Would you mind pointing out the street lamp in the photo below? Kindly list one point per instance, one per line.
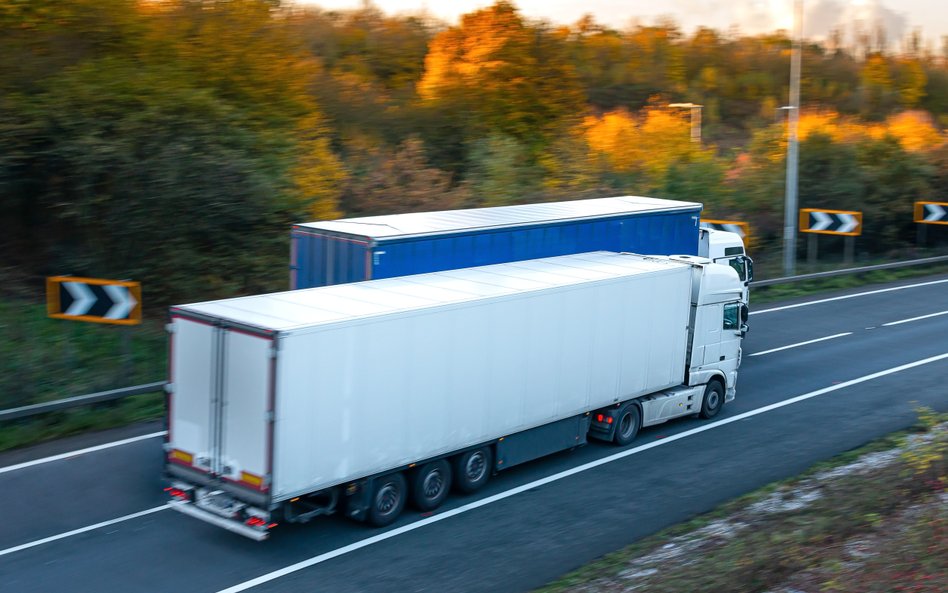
(790, 202)
(695, 118)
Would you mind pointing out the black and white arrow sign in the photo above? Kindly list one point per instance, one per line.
(931, 212)
(830, 222)
(93, 299)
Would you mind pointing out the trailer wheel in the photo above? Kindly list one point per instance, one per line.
(713, 399)
(388, 499)
(430, 484)
(628, 422)
(472, 469)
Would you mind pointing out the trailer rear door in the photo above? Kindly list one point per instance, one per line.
(220, 416)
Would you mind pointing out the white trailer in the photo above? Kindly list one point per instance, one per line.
(356, 398)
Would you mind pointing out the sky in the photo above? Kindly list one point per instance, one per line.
(898, 17)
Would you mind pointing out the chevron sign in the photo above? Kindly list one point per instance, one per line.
(92, 299)
(830, 222)
(931, 212)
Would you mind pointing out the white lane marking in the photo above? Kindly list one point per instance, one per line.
(848, 296)
(266, 578)
(915, 318)
(60, 536)
(801, 344)
(144, 437)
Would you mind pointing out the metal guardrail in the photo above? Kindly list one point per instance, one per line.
(79, 400)
(114, 394)
(847, 271)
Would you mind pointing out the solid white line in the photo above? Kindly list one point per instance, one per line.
(801, 344)
(915, 318)
(848, 296)
(53, 538)
(144, 437)
(266, 578)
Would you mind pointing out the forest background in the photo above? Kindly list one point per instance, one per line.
(174, 141)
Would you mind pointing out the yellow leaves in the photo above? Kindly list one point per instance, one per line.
(648, 143)
(317, 175)
(914, 130)
(487, 40)
(616, 136)
(875, 72)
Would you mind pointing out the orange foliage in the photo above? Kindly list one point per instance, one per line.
(914, 130)
(648, 143)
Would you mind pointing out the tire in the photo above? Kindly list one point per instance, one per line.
(628, 423)
(472, 470)
(713, 400)
(388, 499)
(430, 485)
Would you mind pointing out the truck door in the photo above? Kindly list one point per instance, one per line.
(220, 414)
(245, 413)
(193, 379)
(731, 337)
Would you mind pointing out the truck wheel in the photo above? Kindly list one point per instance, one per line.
(628, 422)
(430, 484)
(713, 400)
(472, 469)
(388, 499)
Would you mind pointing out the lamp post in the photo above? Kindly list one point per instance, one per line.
(790, 203)
(695, 118)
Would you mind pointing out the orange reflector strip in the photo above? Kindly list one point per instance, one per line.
(251, 479)
(182, 456)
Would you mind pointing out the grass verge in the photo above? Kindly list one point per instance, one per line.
(779, 292)
(29, 431)
(45, 359)
(875, 519)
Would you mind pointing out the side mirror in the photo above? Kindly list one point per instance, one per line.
(744, 329)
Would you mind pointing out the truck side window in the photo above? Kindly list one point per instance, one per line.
(738, 264)
(732, 316)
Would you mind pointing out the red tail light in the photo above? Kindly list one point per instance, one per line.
(177, 493)
(599, 418)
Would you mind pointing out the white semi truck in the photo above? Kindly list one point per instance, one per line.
(359, 398)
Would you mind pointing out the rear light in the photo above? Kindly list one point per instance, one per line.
(258, 522)
(608, 419)
(177, 493)
(599, 418)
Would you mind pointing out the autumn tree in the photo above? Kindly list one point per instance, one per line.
(497, 74)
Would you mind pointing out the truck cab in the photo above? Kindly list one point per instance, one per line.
(727, 248)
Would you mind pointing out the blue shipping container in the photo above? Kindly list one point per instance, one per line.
(354, 249)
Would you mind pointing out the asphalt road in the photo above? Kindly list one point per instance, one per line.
(564, 511)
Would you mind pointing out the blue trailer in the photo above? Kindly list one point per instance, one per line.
(368, 248)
